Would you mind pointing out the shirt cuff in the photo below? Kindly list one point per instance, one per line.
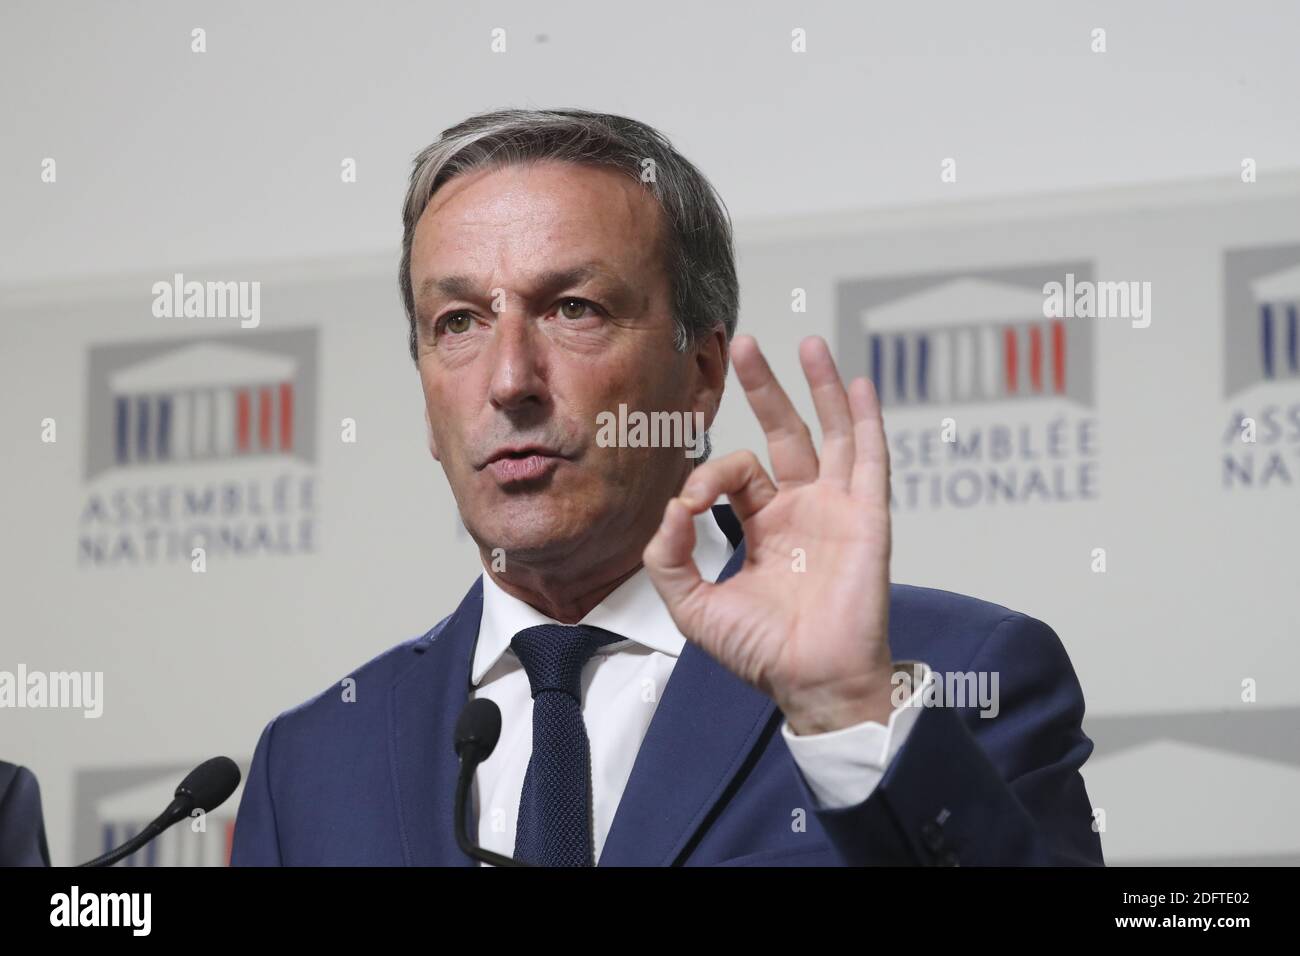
(842, 767)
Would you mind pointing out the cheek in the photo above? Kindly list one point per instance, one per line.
(640, 380)
(440, 425)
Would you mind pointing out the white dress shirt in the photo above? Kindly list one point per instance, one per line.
(621, 687)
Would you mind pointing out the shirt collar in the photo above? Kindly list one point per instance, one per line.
(634, 609)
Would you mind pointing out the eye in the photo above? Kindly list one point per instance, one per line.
(567, 308)
(457, 323)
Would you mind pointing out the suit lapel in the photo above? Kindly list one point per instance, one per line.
(426, 703)
(707, 723)
(704, 728)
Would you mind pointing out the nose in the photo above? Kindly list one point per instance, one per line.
(518, 364)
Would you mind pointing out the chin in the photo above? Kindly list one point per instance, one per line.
(532, 526)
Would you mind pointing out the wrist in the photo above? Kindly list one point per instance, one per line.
(826, 710)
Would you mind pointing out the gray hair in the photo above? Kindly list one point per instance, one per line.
(698, 248)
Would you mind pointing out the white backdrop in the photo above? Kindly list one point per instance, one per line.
(361, 547)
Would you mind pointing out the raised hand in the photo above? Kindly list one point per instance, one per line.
(806, 620)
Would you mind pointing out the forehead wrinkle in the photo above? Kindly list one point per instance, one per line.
(460, 286)
(622, 211)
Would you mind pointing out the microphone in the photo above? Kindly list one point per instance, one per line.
(206, 787)
(477, 731)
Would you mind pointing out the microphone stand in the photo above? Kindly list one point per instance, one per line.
(467, 764)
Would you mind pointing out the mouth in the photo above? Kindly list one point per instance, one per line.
(525, 463)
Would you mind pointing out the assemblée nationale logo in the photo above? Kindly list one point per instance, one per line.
(201, 442)
(1260, 435)
(988, 400)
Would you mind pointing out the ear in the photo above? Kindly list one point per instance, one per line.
(711, 356)
(428, 431)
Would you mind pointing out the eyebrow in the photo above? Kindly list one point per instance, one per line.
(464, 287)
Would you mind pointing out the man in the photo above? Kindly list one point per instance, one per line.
(680, 684)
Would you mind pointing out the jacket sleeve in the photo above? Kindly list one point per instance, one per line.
(257, 842)
(971, 790)
(22, 825)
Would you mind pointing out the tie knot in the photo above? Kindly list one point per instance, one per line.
(553, 655)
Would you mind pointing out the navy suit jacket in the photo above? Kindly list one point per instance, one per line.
(372, 781)
(22, 825)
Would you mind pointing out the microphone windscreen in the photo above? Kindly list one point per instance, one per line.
(479, 726)
(211, 783)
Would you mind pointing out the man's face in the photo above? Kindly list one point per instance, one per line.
(542, 301)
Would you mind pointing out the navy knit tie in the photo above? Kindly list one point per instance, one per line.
(554, 827)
